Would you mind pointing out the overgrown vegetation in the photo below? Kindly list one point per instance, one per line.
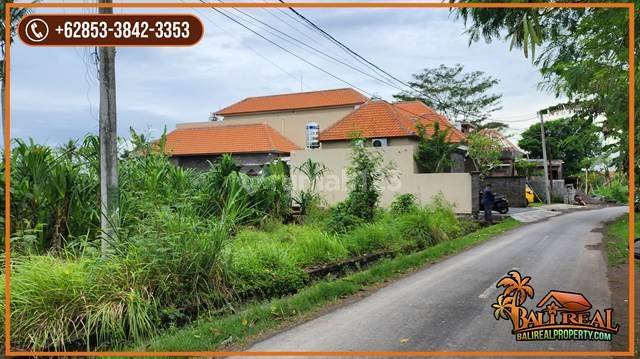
(614, 190)
(434, 150)
(366, 172)
(617, 240)
(215, 333)
(190, 244)
(485, 152)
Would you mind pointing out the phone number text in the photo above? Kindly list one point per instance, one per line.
(124, 29)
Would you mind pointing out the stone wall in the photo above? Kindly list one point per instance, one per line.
(511, 186)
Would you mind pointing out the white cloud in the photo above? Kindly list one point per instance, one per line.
(163, 86)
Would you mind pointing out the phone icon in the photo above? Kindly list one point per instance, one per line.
(36, 30)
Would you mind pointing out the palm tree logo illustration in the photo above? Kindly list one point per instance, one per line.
(516, 291)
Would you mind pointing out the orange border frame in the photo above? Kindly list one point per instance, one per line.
(631, 110)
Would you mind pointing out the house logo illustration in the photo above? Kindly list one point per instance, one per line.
(559, 315)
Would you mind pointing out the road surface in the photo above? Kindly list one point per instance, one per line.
(447, 306)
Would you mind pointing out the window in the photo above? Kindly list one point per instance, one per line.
(313, 132)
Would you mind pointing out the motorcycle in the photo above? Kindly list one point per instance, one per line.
(500, 204)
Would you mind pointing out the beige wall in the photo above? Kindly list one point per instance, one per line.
(391, 141)
(455, 187)
(291, 124)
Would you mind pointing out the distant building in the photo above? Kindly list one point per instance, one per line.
(257, 130)
(252, 145)
(510, 153)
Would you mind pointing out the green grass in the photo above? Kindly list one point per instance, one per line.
(234, 329)
(617, 233)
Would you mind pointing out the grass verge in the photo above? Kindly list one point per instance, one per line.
(616, 235)
(210, 334)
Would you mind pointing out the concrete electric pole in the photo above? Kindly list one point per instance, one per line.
(109, 194)
(546, 164)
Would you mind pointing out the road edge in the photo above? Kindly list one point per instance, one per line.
(259, 321)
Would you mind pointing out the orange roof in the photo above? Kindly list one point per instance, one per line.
(211, 140)
(572, 302)
(425, 112)
(296, 101)
(504, 142)
(378, 118)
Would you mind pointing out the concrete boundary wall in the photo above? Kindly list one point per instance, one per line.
(455, 187)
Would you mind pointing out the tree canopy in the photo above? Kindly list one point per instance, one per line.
(567, 139)
(581, 54)
(434, 152)
(459, 95)
(485, 152)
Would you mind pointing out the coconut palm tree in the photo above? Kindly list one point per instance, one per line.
(16, 15)
(502, 308)
(313, 171)
(516, 286)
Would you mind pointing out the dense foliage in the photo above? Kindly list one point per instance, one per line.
(485, 152)
(434, 150)
(189, 243)
(569, 140)
(583, 55)
(459, 95)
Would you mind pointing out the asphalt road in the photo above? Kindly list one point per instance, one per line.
(447, 306)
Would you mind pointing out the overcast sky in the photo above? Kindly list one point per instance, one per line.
(55, 90)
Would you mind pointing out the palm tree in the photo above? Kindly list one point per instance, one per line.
(16, 15)
(313, 171)
(502, 308)
(517, 286)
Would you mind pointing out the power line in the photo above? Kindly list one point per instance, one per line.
(285, 49)
(371, 64)
(297, 41)
(247, 46)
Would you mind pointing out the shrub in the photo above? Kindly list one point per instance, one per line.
(317, 248)
(366, 171)
(264, 269)
(181, 259)
(56, 302)
(373, 237)
(430, 225)
(404, 203)
(305, 245)
(616, 191)
(341, 220)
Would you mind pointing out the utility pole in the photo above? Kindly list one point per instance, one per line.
(109, 194)
(546, 164)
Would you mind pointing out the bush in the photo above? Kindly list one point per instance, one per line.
(404, 203)
(264, 269)
(305, 245)
(374, 237)
(616, 191)
(431, 225)
(181, 259)
(341, 220)
(58, 302)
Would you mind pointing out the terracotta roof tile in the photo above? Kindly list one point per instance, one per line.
(296, 101)
(378, 118)
(504, 141)
(211, 140)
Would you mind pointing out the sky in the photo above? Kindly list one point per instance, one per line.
(54, 90)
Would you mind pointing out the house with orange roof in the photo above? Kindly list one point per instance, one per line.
(257, 130)
(252, 145)
(382, 123)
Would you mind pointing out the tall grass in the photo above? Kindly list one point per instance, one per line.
(189, 242)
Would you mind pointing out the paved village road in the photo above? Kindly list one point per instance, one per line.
(447, 306)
